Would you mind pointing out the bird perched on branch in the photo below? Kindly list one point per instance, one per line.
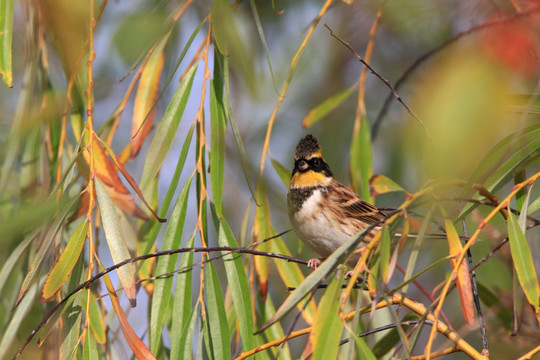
(325, 213)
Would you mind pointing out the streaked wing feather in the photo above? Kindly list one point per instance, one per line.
(357, 208)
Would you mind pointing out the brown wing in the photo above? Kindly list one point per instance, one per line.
(355, 207)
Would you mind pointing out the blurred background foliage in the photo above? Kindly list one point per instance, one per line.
(203, 103)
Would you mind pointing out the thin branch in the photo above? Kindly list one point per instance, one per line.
(145, 257)
(386, 82)
(427, 55)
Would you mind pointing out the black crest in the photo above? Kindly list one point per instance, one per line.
(307, 147)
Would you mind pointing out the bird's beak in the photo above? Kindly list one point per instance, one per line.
(302, 165)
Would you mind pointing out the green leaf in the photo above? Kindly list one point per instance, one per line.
(6, 34)
(535, 205)
(61, 270)
(218, 123)
(385, 254)
(497, 169)
(238, 286)
(13, 259)
(71, 329)
(152, 234)
(361, 163)
(185, 342)
(523, 262)
(96, 320)
(45, 243)
(381, 184)
(283, 172)
(166, 130)
(315, 278)
(166, 264)
(117, 242)
(182, 311)
(90, 351)
(216, 316)
(263, 40)
(327, 328)
(323, 109)
(11, 330)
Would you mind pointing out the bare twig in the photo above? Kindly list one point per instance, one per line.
(145, 257)
(427, 55)
(386, 82)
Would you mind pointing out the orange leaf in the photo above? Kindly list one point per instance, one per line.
(107, 173)
(135, 343)
(463, 280)
(147, 94)
(380, 184)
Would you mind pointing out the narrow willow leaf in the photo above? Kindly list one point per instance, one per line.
(13, 259)
(216, 316)
(531, 143)
(90, 351)
(186, 340)
(6, 34)
(182, 311)
(523, 263)
(413, 257)
(96, 320)
(218, 123)
(242, 151)
(117, 243)
(150, 239)
(238, 286)
(381, 184)
(463, 279)
(520, 176)
(385, 255)
(61, 270)
(146, 98)
(263, 41)
(283, 172)
(326, 331)
(135, 343)
(166, 130)
(364, 350)
(323, 109)
(163, 287)
(261, 230)
(361, 163)
(11, 330)
(523, 208)
(291, 275)
(517, 303)
(27, 218)
(274, 332)
(69, 342)
(107, 172)
(535, 205)
(315, 278)
(220, 19)
(45, 243)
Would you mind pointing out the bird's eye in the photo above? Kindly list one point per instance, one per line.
(317, 162)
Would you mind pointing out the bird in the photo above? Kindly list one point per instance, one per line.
(323, 212)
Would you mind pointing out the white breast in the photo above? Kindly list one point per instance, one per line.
(316, 228)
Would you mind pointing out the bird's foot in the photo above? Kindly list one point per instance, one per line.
(314, 263)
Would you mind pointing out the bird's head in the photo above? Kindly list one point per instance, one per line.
(310, 169)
